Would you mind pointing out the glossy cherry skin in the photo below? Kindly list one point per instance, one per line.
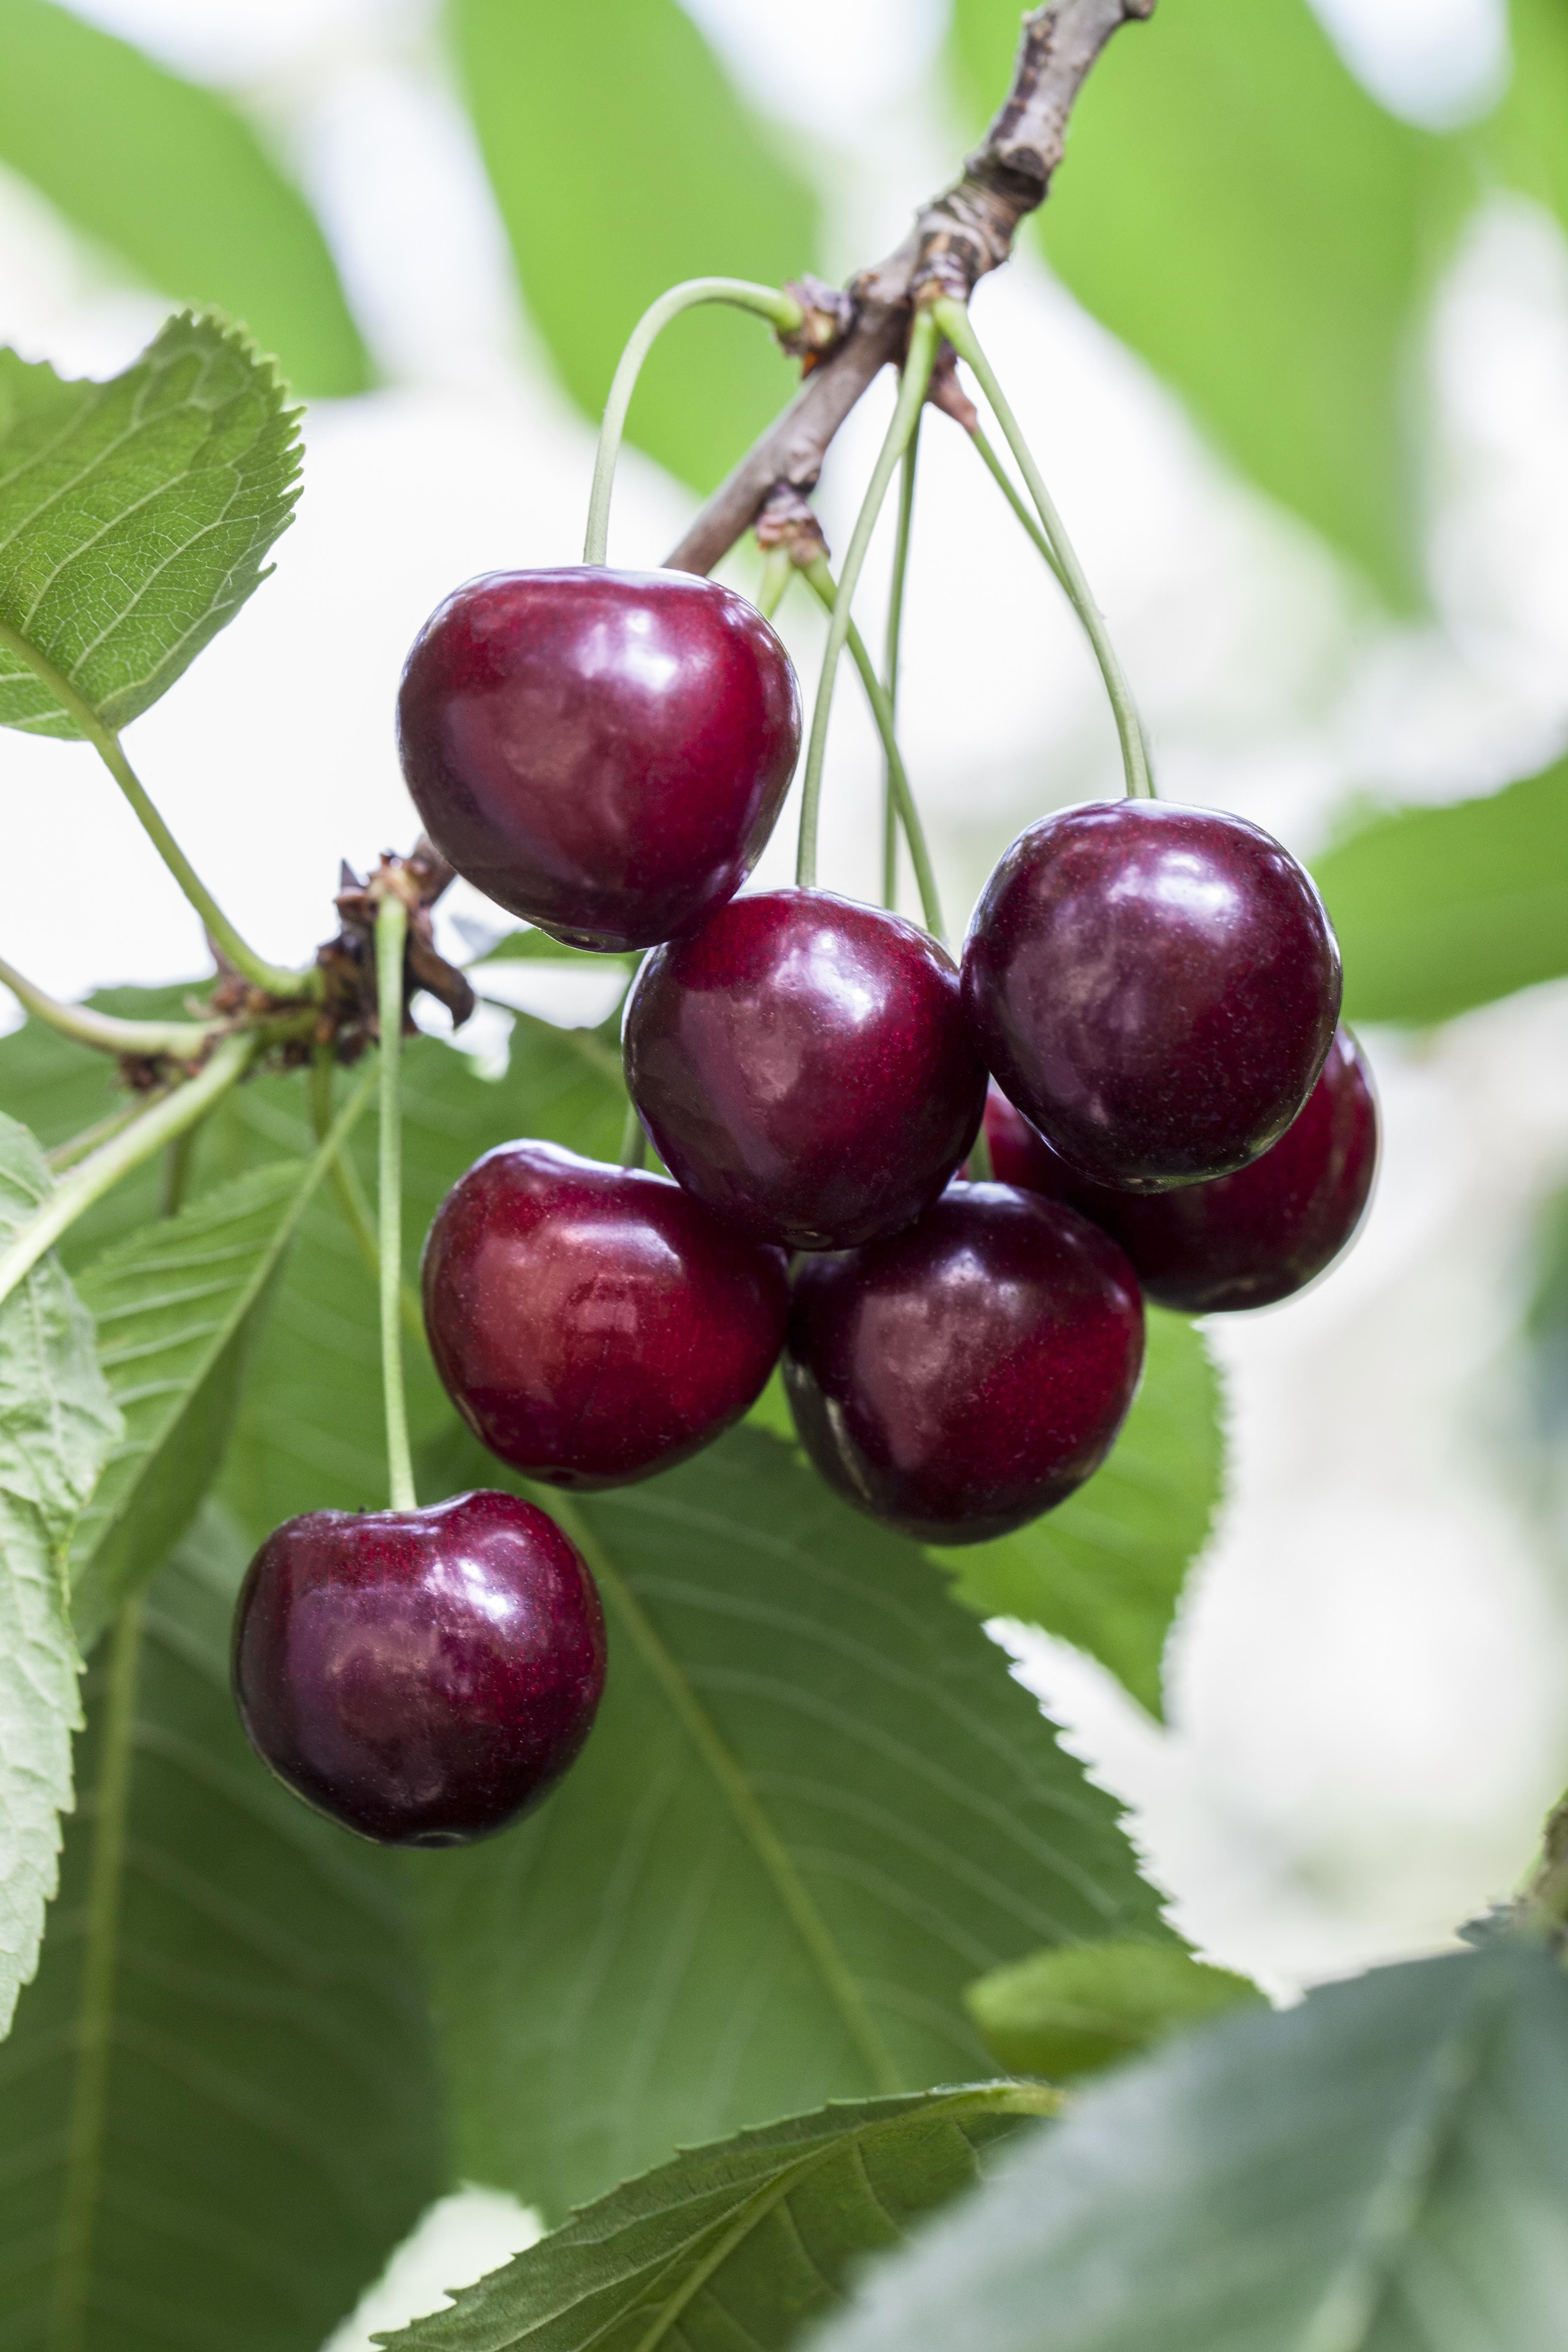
(1240, 1241)
(803, 1066)
(604, 752)
(424, 1677)
(1155, 988)
(961, 1379)
(593, 1324)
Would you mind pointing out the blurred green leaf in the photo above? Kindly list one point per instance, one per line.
(815, 1806)
(219, 2111)
(751, 2239)
(1089, 2006)
(1106, 1568)
(1525, 139)
(172, 179)
(1237, 208)
(135, 516)
(1439, 910)
(1382, 2169)
(623, 161)
(56, 1425)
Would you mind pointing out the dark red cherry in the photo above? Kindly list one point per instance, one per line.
(964, 1377)
(424, 1677)
(595, 1324)
(803, 1066)
(1155, 987)
(1239, 1241)
(604, 752)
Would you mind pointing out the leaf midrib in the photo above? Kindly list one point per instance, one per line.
(767, 1846)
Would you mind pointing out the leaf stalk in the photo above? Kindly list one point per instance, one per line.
(275, 978)
(103, 1169)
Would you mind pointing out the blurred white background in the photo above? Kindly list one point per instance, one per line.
(1369, 1708)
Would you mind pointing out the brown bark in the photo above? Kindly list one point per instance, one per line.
(955, 239)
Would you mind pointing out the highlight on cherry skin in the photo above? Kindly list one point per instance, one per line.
(593, 1324)
(961, 1378)
(1240, 1241)
(423, 1677)
(804, 1066)
(602, 752)
(1155, 987)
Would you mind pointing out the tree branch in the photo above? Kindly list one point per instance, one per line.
(955, 239)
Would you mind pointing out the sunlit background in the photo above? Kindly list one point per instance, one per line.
(1369, 1685)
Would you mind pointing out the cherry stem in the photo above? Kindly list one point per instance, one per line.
(778, 571)
(275, 978)
(180, 1040)
(770, 302)
(66, 1155)
(103, 1169)
(891, 662)
(1011, 492)
(923, 340)
(391, 938)
(900, 797)
(350, 1193)
(953, 320)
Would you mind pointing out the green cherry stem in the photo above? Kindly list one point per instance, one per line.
(391, 938)
(770, 302)
(274, 978)
(1011, 492)
(891, 660)
(953, 320)
(103, 1169)
(900, 797)
(180, 1040)
(778, 570)
(923, 341)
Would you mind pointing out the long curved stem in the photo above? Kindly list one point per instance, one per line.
(103, 1170)
(275, 979)
(923, 339)
(954, 320)
(1010, 492)
(890, 660)
(900, 797)
(769, 303)
(391, 937)
(180, 1040)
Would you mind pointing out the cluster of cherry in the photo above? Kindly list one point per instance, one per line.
(1144, 1026)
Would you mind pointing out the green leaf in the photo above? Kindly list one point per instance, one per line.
(135, 516)
(749, 2240)
(1384, 2170)
(622, 161)
(815, 1806)
(174, 181)
(179, 1307)
(1237, 208)
(1439, 910)
(1092, 2005)
(56, 1425)
(1105, 1570)
(1524, 137)
(219, 2110)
